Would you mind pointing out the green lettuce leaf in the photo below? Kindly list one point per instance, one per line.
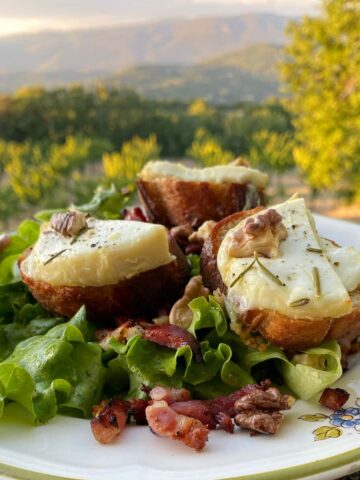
(312, 371)
(28, 321)
(57, 371)
(228, 363)
(25, 236)
(141, 362)
(194, 262)
(106, 203)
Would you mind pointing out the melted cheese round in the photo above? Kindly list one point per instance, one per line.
(218, 174)
(109, 251)
(294, 266)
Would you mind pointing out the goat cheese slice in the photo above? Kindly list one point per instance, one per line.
(294, 267)
(107, 252)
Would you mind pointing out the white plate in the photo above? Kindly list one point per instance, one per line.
(65, 447)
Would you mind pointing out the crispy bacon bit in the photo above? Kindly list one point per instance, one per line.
(261, 234)
(181, 314)
(169, 395)
(165, 422)
(109, 419)
(134, 213)
(172, 336)
(137, 410)
(271, 399)
(5, 240)
(334, 398)
(122, 333)
(181, 234)
(68, 224)
(199, 409)
(224, 422)
(258, 421)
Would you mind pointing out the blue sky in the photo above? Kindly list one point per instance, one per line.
(33, 15)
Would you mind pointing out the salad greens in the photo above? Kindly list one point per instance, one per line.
(26, 234)
(50, 365)
(57, 371)
(228, 363)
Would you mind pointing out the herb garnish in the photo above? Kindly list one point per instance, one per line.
(315, 250)
(267, 272)
(273, 277)
(300, 302)
(243, 273)
(316, 280)
(54, 256)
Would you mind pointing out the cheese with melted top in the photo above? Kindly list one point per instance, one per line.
(294, 266)
(107, 252)
(218, 174)
(345, 261)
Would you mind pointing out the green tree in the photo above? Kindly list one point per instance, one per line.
(272, 151)
(322, 72)
(206, 149)
(124, 165)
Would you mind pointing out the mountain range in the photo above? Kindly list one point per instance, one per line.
(221, 59)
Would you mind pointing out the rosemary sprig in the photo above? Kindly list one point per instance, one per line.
(50, 259)
(300, 302)
(315, 250)
(267, 272)
(316, 280)
(243, 273)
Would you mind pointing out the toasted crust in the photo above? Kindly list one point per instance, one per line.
(172, 202)
(289, 333)
(143, 294)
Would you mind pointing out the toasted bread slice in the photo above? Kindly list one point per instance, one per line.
(172, 202)
(143, 294)
(289, 333)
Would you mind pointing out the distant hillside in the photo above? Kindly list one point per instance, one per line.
(112, 49)
(247, 74)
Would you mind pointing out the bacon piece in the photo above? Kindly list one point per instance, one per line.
(134, 213)
(271, 399)
(334, 398)
(109, 419)
(172, 336)
(199, 409)
(181, 234)
(224, 422)
(169, 395)
(165, 422)
(137, 410)
(257, 421)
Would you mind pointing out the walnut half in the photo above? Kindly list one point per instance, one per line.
(261, 234)
(68, 223)
(181, 314)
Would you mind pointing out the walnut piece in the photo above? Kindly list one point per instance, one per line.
(270, 399)
(68, 223)
(203, 232)
(181, 314)
(262, 422)
(261, 234)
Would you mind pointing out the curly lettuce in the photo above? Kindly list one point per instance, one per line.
(228, 363)
(59, 371)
